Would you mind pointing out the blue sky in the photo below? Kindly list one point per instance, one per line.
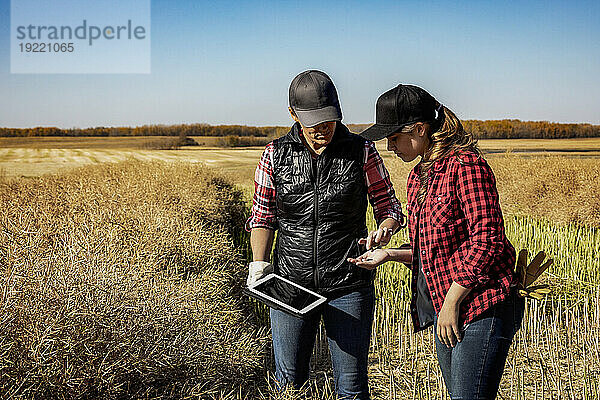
(230, 62)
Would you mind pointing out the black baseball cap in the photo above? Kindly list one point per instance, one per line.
(314, 99)
(399, 107)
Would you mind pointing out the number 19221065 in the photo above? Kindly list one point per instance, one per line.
(46, 47)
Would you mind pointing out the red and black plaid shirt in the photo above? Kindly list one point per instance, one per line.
(379, 189)
(460, 234)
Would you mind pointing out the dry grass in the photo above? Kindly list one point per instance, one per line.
(558, 188)
(555, 355)
(119, 273)
(35, 162)
(583, 145)
(243, 141)
(561, 189)
(126, 142)
(83, 142)
(122, 281)
(166, 143)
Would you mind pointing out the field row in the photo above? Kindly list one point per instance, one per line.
(562, 189)
(39, 161)
(560, 145)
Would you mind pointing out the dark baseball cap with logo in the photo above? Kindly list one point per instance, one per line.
(314, 99)
(399, 107)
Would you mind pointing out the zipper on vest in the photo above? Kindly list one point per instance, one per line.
(315, 164)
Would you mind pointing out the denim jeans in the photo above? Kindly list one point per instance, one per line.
(473, 368)
(347, 320)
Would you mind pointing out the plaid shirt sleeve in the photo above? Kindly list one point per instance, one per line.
(379, 187)
(263, 214)
(478, 197)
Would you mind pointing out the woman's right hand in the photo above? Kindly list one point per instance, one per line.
(371, 259)
(379, 237)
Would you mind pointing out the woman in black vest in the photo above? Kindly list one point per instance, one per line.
(312, 185)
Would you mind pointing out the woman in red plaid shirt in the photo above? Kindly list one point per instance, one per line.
(462, 263)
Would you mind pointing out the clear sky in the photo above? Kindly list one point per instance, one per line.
(231, 62)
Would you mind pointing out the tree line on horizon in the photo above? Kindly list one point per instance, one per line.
(517, 129)
(491, 129)
(182, 130)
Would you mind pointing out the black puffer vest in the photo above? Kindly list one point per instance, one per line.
(321, 205)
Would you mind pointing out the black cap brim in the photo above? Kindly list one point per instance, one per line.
(310, 118)
(379, 131)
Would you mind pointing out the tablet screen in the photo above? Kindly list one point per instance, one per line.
(286, 293)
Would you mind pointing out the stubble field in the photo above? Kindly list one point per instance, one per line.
(40, 155)
(153, 243)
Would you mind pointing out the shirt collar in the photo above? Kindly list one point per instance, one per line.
(438, 166)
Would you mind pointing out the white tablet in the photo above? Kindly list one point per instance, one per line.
(285, 295)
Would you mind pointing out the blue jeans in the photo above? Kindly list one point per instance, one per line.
(473, 368)
(347, 321)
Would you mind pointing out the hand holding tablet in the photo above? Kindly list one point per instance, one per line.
(285, 295)
(257, 270)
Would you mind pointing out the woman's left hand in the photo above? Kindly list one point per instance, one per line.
(447, 328)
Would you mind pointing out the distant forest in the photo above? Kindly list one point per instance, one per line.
(516, 129)
(150, 130)
(500, 129)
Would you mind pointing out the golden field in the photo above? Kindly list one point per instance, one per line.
(121, 279)
(539, 180)
(38, 155)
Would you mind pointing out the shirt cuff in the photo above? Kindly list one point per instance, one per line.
(463, 277)
(252, 223)
(398, 216)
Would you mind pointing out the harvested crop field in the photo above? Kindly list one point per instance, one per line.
(122, 279)
(35, 162)
(39, 155)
